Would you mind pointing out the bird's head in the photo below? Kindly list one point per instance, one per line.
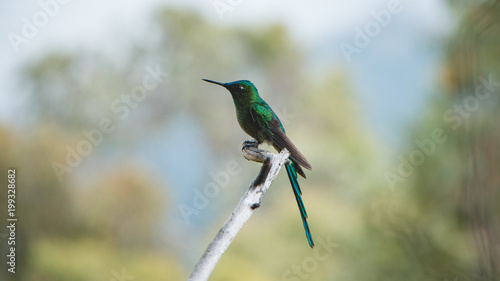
(238, 89)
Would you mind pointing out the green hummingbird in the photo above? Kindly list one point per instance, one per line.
(259, 121)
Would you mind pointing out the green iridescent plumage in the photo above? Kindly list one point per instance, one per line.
(259, 121)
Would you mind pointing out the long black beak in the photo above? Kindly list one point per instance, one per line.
(215, 82)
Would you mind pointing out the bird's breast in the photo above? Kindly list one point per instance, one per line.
(249, 125)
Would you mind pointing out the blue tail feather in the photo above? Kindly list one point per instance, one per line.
(292, 175)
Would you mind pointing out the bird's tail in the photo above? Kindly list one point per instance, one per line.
(292, 175)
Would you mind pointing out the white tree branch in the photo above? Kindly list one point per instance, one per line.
(250, 201)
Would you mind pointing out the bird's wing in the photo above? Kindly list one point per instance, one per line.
(273, 128)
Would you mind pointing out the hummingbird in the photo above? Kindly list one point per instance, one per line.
(260, 122)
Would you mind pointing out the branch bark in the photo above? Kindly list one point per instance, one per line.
(250, 201)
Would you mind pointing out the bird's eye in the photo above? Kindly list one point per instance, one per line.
(241, 87)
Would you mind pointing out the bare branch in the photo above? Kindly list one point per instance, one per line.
(250, 201)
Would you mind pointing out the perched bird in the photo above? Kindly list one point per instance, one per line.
(259, 121)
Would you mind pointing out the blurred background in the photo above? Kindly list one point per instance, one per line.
(127, 164)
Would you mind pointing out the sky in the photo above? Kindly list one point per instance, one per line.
(392, 76)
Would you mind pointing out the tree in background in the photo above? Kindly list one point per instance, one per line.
(451, 226)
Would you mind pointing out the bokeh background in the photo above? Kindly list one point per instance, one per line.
(387, 100)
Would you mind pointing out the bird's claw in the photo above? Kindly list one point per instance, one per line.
(250, 143)
(252, 152)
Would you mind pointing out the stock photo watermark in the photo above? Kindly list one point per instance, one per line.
(455, 117)
(364, 35)
(123, 276)
(31, 26)
(11, 220)
(221, 7)
(461, 111)
(302, 271)
(201, 198)
(284, 116)
(121, 107)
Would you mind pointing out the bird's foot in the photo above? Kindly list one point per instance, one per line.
(251, 151)
(252, 143)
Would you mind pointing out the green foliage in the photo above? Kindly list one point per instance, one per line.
(132, 204)
(94, 259)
